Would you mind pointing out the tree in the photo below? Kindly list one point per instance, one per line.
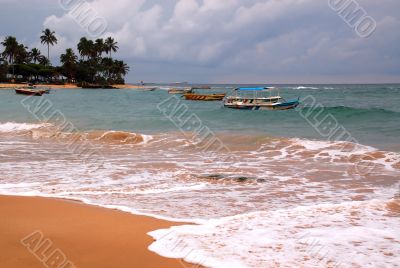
(35, 55)
(110, 45)
(68, 61)
(48, 38)
(10, 48)
(44, 61)
(84, 47)
(99, 47)
(21, 54)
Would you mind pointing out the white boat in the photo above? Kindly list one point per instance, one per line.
(258, 101)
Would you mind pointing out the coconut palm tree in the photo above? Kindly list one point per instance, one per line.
(10, 48)
(99, 47)
(35, 55)
(21, 54)
(43, 60)
(110, 45)
(69, 60)
(48, 38)
(84, 47)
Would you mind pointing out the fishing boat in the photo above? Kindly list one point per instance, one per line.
(29, 92)
(180, 90)
(259, 101)
(146, 88)
(204, 97)
(32, 90)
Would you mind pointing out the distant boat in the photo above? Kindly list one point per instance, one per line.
(30, 92)
(146, 88)
(204, 97)
(201, 87)
(180, 90)
(256, 102)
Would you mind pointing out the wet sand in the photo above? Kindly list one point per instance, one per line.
(78, 235)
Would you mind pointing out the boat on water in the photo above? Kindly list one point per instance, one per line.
(259, 101)
(180, 90)
(204, 97)
(29, 92)
(32, 90)
(201, 87)
(144, 88)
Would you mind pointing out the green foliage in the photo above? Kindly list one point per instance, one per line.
(91, 69)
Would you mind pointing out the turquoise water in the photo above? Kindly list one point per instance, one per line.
(370, 113)
(276, 190)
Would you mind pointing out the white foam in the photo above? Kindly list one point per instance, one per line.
(18, 127)
(351, 234)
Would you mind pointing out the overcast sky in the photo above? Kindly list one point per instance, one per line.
(224, 41)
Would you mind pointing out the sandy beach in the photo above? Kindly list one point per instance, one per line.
(37, 232)
(66, 86)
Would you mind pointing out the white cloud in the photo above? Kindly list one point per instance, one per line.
(265, 36)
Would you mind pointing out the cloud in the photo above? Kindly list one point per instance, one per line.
(242, 38)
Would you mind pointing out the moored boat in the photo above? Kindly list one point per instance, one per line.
(29, 92)
(144, 88)
(34, 88)
(180, 90)
(204, 97)
(256, 102)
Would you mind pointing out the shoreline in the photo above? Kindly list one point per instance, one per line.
(66, 86)
(86, 235)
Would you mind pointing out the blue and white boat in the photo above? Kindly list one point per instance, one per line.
(259, 101)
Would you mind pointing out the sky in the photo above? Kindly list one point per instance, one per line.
(224, 41)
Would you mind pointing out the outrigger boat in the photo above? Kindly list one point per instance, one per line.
(29, 92)
(204, 97)
(180, 90)
(32, 90)
(272, 102)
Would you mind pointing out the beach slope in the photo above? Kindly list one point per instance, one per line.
(36, 231)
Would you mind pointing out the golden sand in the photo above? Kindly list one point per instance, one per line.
(36, 232)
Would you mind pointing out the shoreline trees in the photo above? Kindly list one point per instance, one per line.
(92, 65)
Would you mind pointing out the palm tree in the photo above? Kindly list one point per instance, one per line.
(99, 47)
(119, 69)
(35, 55)
(110, 45)
(43, 60)
(68, 61)
(21, 54)
(10, 49)
(48, 38)
(83, 47)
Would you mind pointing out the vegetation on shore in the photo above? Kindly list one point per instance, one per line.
(92, 67)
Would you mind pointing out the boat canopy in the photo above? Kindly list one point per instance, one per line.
(253, 88)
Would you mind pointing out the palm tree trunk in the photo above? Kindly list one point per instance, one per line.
(48, 52)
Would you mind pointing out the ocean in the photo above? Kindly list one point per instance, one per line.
(317, 186)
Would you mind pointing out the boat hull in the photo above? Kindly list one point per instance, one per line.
(206, 97)
(29, 92)
(179, 91)
(255, 107)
